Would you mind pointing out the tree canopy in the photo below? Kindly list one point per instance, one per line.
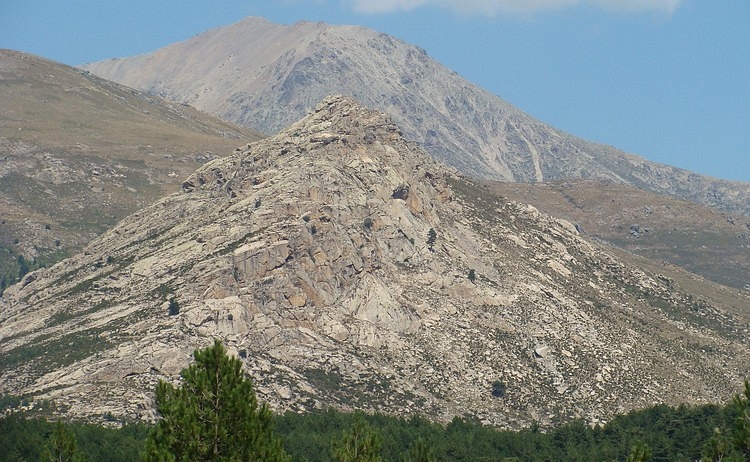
(62, 446)
(358, 444)
(213, 415)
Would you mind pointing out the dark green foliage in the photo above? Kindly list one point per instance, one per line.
(174, 306)
(669, 433)
(640, 453)
(8, 402)
(213, 416)
(420, 452)
(23, 267)
(498, 389)
(720, 448)
(22, 439)
(672, 434)
(13, 266)
(742, 425)
(732, 442)
(62, 446)
(308, 437)
(27, 439)
(472, 276)
(360, 443)
(431, 238)
(100, 443)
(367, 223)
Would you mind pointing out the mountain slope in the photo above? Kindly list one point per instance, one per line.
(265, 76)
(78, 153)
(308, 254)
(703, 240)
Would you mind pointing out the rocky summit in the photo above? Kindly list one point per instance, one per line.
(348, 269)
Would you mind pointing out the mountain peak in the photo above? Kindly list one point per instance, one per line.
(267, 76)
(346, 268)
(349, 132)
(344, 115)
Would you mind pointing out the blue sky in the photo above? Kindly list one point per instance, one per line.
(665, 79)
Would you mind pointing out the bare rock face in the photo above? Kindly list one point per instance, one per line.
(266, 76)
(307, 254)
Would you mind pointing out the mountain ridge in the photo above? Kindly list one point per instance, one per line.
(308, 253)
(263, 75)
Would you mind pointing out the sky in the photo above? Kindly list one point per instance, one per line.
(665, 79)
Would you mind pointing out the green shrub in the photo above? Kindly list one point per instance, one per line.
(174, 306)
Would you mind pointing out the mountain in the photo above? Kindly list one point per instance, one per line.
(265, 76)
(78, 153)
(346, 268)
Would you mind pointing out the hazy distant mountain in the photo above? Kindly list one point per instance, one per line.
(265, 76)
(308, 254)
(78, 153)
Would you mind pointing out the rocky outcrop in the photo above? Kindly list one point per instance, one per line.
(307, 254)
(266, 76)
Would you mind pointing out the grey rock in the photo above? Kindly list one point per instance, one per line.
(325, 311)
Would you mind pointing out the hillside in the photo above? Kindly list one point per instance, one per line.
(266, 76)
(78, 153)
(701, 239)
(309, 254)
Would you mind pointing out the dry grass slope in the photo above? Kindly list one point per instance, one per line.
(703, 240)
(78, 153)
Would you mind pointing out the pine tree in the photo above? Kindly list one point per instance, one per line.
(720, 448)
(213, 416)
(431, 238)
(640, 453)
(420, 452)
(359, 444)
(742, 426)
(63, 446)
(728, 446)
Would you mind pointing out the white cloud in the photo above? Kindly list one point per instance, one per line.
(499, 7)
(387, 6)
